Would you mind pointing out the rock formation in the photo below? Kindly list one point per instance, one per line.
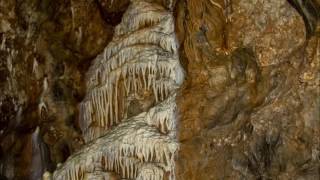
(94, 89)
(141, 59)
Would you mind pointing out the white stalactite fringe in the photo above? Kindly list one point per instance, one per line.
(160, 116)
(133, 138)
(148, 52)
(143, 56)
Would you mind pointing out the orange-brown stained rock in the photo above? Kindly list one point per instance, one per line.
(272, 27)
(243, 108)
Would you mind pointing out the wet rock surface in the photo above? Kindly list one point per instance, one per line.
(248, 109)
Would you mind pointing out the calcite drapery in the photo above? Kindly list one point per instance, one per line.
(141, 58)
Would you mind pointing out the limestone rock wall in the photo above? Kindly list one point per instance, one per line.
(248, 108)
(45, 48)
(246, 111)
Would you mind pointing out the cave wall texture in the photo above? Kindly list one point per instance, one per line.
(248, 107)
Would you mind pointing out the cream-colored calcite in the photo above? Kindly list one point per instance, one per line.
(142, 57)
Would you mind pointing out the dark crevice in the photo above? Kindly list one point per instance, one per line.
(114, 17)
(310, 12)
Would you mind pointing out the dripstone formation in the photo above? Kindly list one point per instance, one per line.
(128, 116)
(160, 89)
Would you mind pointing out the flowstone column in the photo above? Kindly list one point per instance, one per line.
(128, 116)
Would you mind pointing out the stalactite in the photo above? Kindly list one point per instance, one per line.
(3, 43)
(142, 56)
(40, 156)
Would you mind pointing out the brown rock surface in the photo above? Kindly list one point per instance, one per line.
(245, 112)
(45, 48)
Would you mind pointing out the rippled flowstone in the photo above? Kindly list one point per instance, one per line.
(141, 59)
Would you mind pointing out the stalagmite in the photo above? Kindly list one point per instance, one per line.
(142, 57)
